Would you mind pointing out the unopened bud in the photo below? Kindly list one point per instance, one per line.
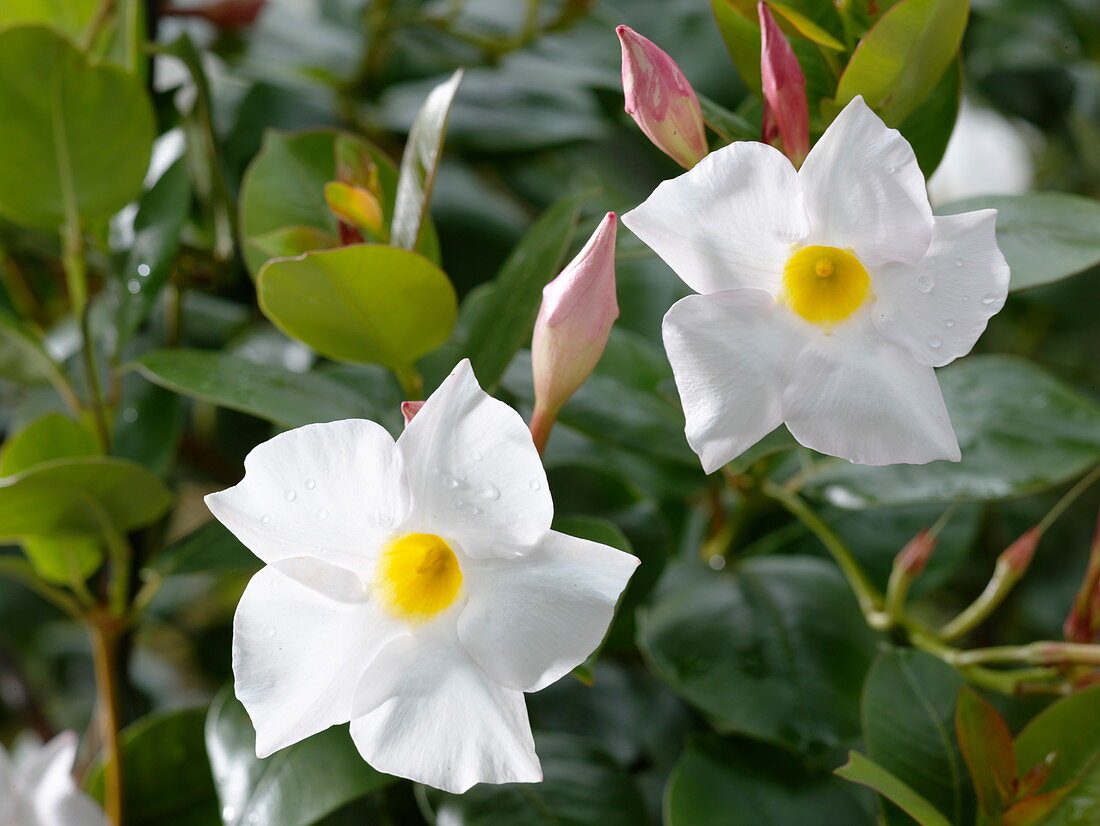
(661, 100)
(1036, 777)
(786, 112)
(1083, 621)
(225, 14)
(574, 322)
(355, 206)
(410, 409)
(915, 555)
(1017, 556)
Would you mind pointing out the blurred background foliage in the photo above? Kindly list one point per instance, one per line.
(739, 668)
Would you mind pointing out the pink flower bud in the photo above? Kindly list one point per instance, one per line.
(1017, 556)
(225, 14)
(410, 409)
(574, 321)
(915, 555)
(661, 100)
(786, 113)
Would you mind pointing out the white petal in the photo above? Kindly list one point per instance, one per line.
(531, 620)
(865, 191)
(937, 308)
(333, 491)
(473, 470)
(729, 222)
(301, 641)
(55, 799)
(854, 395)
(731, 353)
(426, 711)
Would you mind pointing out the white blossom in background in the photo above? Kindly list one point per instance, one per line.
(37, 788)
(827, 295)
(412, 587)
(987, 155)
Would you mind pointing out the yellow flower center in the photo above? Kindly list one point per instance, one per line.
(825, 285)
(417, 576)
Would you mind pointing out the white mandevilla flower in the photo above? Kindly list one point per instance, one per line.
(37, 788)
(827, 295)
(412, 587)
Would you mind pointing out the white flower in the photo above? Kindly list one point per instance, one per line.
(414, 588)
(828, 294)
(37, 788)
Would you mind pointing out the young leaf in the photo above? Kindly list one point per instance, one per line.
(1036, 810)
(76, 135)
(805, 26)
(419, 164)
(986, 745)
(900, 60)
(54, 436)
(1045, 236)
(863, 770)
(506, 316)
(361, 303)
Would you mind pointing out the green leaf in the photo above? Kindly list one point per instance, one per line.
(1021, 431)
(729, 125)
(1070, 727)
(741, 34)
(908, 712)
(54, 436)
(900, 60)
(290, 242)
(362, 303)
(420, 162)
(506, 316)
(210, 547)
(929, 128)
(263, 390)
(986, 745)
(69, 17)
(805, 26)
(76, 136)
(284, 187)
(23, 359)
(749, 649)
(166, 775)
(296, 786)
(860, 769)
(1045, 236)
(157, 226)
(582, 786)
(63, 558)
(67, 496)
(722, 782)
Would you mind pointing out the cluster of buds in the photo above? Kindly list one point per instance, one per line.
(666, 108)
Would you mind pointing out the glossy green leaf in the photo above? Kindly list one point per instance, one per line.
(1045, 236)
(363, 303)
(296, 786)
(76, 136)
(900, 60)
(419, 164)
(150, 424)
(986, 745)
(721, 782)
(70, 17)
(805, 26)
(263, 390)
(210, 547)
(729, 125)
(290, 242)
(582, 786)
(749, 649)
(506, 316)
(23, 359)
(157, 226)
(54, 436)
(1070, 727)
(62, 558)
(741, 34)
(284, 187)
(929, 128)
(1020, 430)
(860, 769)
(917, 746)
(166, 775)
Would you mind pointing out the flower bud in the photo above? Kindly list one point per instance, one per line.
(916, 553)
(786, 113)
(1017, 556)
(410, 409)
(225, 14)
(574, 321)
(661, 100)
(1083, 621)
(355, 206)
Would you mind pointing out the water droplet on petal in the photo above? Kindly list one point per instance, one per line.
(935, 342)
(491, 492)
(290, 495)
(322, 514)
(228, 813)
(949, 322)
(989, 298)
(266, 519)
(310, 484)
(924, 283)
(966, 298)
(134, 286)
(534, 484)
(270, 632)
(959, 262)
(478, 457)
(450, 482)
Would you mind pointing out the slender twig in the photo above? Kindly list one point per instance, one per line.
(1068, 499)
(104, 633)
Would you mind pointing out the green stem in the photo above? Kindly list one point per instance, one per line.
(412, 383)
(104, 633)
(869, 600)
(102, 15)
(1068, 499)
(21, 571)
(1005, 576)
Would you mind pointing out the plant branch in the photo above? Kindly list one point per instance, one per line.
(104, 632)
